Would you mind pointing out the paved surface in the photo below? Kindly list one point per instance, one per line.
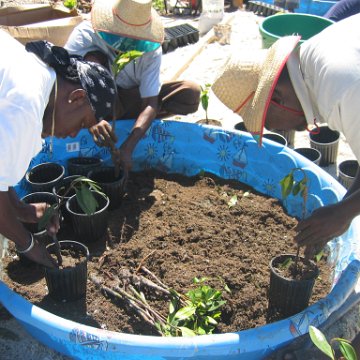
(199, 62)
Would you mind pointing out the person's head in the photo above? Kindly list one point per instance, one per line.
(85, 92)
(127, 24)
(256, 85)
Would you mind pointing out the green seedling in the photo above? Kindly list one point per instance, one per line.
(84, 189)
(291, 186)
(204, 98)
(319, 340)
(196, 313)
(70, 4)
(125, 58)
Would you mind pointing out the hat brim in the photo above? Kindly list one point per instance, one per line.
(104, 19)
(275, 60)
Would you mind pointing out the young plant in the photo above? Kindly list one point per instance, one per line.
(291, 186)
(196, 313)
(123, 59)
(204, 98)
(70, 4)
(84, 189)
(319, 340)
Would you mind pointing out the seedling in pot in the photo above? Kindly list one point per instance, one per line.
(124, 58)
(319, 340)
(84, 189)
(291, 186)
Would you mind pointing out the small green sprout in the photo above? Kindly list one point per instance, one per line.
(70, 4)
(204, 98)
(125, 58)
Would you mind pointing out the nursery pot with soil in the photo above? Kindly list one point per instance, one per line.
(312, 154)
(89, 228)
(276, 138)
(347, 172)
(112, 184)
(60, 190)
(291, 284)
(327, 142)
(68, 282)
(82, 165)
(45, 176)
(289, 135)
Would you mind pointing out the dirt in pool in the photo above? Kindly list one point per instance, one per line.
(177, 228)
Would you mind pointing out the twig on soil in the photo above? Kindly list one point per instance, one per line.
(148, 272)
(143, 260)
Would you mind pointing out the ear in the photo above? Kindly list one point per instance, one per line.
(77, 96)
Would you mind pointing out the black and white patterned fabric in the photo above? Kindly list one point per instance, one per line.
(94, 78)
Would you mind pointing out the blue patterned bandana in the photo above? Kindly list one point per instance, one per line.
(97, 82)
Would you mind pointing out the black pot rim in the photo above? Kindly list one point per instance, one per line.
(313, 264)
(60, 185)
(345, 165)
(81, 214)
(83, 246)
(104, 169)
(302, 150)
(27, 175)
(276, 135)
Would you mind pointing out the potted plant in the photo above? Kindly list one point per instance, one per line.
(204, 98)
(86, 197)
(68, 281)
(292, 277)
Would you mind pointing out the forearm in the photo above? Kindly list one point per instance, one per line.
(24, 212)
(10, 226)
(142, 124)
(349, 206)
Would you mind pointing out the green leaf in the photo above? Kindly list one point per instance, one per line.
(185, 312)
(347, 350)
(233, 201)
(186, 331)
(319, 340)
(286, 185)
(211, 320)
(296, 189)
(45, 219)
(124, 58)
(86, 200)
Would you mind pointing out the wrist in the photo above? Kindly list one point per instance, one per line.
(28, 247)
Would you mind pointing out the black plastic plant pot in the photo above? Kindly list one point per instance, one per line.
(287, 296)
(33, 198)
(68, 282)
(40, 234)
(60, 190)
(111, 185)
(276, 138)
(347, 172)
(89, 228)
(311, 154)
(45, 176)
(82, 165)
(327, 142)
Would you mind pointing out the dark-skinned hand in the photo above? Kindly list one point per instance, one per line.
(103, 134)
(323, 225)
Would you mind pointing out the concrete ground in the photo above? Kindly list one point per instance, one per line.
(199, 62)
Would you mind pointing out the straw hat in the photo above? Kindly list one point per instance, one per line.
(247, 83)
(129, 18)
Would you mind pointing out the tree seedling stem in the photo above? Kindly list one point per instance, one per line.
(291, 186)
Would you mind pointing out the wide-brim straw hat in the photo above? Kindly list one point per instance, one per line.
(248, 81)
(129, 18)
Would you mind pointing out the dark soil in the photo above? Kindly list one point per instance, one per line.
(178, 228)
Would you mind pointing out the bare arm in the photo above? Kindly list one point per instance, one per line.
(139, 129)
(330, 221)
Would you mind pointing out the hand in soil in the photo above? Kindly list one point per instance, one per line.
(40, 255)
